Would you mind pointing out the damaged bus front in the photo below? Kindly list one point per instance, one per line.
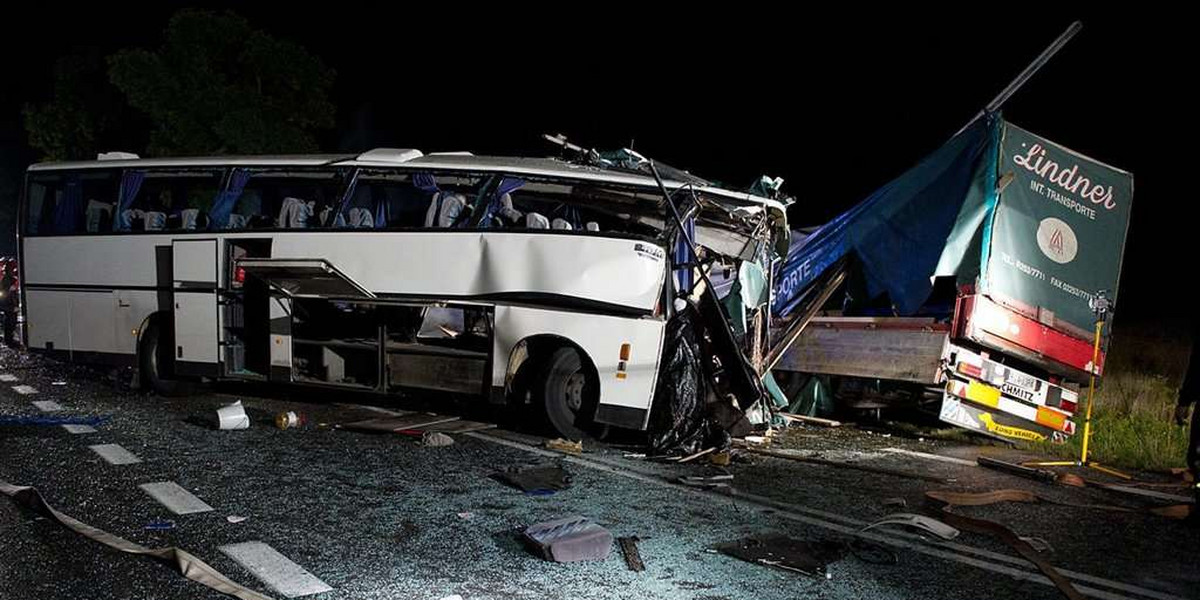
(541, 283)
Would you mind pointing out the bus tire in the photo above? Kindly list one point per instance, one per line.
(155, 362)
(567, 393)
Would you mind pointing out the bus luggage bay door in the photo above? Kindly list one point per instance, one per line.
(194, 268)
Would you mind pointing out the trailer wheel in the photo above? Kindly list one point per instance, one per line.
(156, 363)
(567, 393)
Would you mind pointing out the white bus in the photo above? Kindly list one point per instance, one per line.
(524, 280)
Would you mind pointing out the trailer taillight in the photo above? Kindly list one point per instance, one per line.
(239, 275)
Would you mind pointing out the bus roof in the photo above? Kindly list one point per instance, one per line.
(413, 160)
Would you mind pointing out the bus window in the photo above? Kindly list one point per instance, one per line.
(286, 200)
(71, 203)
(171, 201)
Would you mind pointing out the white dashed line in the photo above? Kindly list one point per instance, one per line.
(8, 377)
(938, 457)
(24, 389)
(77, 429)
(175, 498)
(115, 455)
(47, 405)
(274, 569)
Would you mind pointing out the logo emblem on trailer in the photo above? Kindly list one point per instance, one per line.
(653, 252)
(1057, 240)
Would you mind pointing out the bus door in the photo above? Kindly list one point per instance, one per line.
(194, 279)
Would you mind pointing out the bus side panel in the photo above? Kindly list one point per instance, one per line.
(46, 319)
(625, 394)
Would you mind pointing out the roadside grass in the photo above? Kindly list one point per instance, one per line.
(1132, 425)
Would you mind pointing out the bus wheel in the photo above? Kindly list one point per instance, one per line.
(567, 394)
(156, 362)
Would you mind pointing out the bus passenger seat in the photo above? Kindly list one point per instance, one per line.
(361, 218)
(129, 217)
(560, 223)
(236, 222)
(536, 221)
(508, 215)
(187, 218)
(294, 213)
(592, 226)
(98, 213)
(444, 209)
(155, 220)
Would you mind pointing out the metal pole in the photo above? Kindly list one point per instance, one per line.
(1087, 420)
(1027, 74)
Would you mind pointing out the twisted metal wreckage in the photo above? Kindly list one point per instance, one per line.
(972, 280)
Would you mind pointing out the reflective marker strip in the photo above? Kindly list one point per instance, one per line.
(175, 498)
(24, 389)
(77, 429)
(274, 569)
(47, 405)
(115, 455)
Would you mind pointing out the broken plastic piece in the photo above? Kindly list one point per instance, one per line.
(570, 539)
(567, 446)
(232, 416)
(921, 522)
(436, 439)
(798, 556)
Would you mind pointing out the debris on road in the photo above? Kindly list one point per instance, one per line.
(629, 549)
(1042, 475)
(184, 562)
(160, 525)
(692, 457)
(536, 478)
(400, 423)
(721, 459)
(289, 420)
(232, 416)
(798, 556)
(236, 519)
(709, 482)
(567, 446)
(434, 439)
(569, 539)
(793, 418)
(898, 502)
(927, 524)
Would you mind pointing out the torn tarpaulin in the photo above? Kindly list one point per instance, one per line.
(681, 421)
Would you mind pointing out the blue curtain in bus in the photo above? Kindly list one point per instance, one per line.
(339, 217)
(507, 185)
(223, 203)
(68, 213)
(380, 199)
(684, 276)
(131, 182)
(425, 182)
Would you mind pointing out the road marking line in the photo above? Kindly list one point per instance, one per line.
(175, 498)
(952, 551)
(77, 429)
(24, 389)
(938, 457)
(47, 405)
(8, 377)
(274, 569)
(115, 455)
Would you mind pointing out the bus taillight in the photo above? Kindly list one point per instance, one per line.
(239, 275)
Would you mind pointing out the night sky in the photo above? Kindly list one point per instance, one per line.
(834, 105)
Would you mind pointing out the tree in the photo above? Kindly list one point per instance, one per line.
(84, 115)
(219, 86)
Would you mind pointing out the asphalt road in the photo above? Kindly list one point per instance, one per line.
(379, 516)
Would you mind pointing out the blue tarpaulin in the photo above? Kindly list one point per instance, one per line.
(899, 233)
